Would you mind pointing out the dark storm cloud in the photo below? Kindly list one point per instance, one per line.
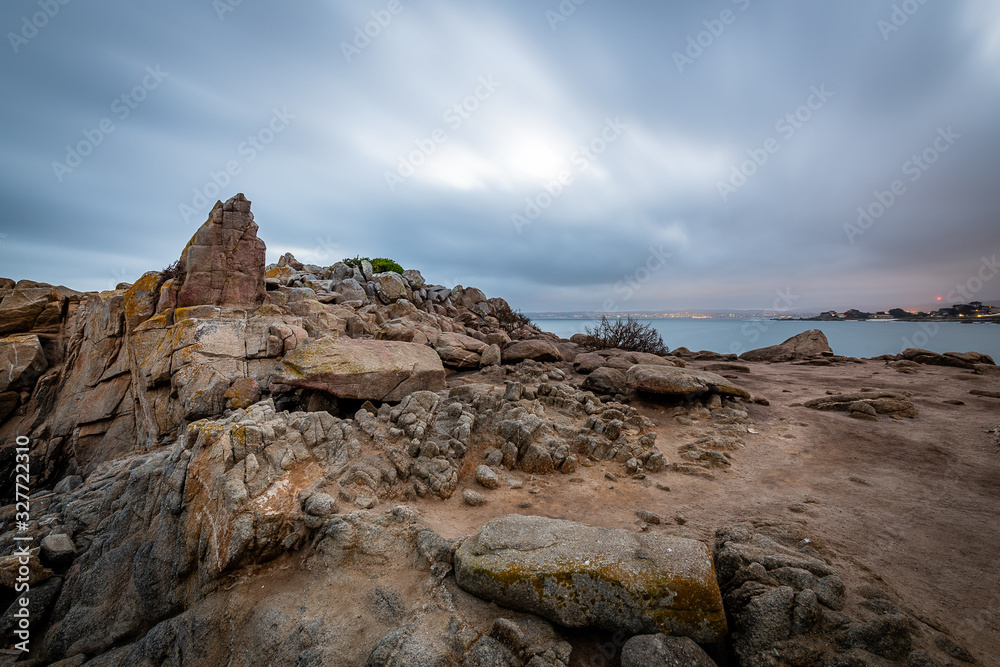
(360, 149)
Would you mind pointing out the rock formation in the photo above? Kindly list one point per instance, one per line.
(806, 345)
(227, 460)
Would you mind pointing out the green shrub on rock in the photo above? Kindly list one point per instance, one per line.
(379, 264)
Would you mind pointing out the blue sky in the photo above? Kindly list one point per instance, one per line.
(638, 155)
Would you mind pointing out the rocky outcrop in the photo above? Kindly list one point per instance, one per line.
(788, 605)
(867, 404)
(223, 263)
(579, 576)
(953, 359)
(669, 381)
(360, 369)
(806, 345)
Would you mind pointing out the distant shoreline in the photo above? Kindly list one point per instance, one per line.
(992, 319)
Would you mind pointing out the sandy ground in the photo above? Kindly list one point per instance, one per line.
(908, 504)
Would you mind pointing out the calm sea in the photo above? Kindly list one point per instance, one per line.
(852, 339)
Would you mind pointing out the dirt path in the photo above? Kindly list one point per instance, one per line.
(910, 504)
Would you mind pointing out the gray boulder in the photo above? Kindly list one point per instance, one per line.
(656, 379)
(663, 651)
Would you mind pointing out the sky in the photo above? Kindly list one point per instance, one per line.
(567, 156)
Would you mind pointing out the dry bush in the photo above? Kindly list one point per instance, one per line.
(628, 334)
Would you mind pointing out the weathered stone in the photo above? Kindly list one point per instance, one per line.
(680, 381)
(806, 345)
(10, 573)
(351, 290)
(662, 651)
(22, 361)
(459, 351)
(22, 306)
(537, 350)
(389, 286)
(243, 393)
(579, 575)
(223, 263)
(606, 380)
(486, 477)
(362, 369)
(58, 550)
(491, 356)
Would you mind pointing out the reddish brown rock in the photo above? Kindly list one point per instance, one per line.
(223, 263)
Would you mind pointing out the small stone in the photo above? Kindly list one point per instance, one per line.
(58, 550)
(473, 498)
(486, 477)
(680, 520)
(648, 517)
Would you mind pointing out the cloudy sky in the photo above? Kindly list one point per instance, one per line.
(620, 156)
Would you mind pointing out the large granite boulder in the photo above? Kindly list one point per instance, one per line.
(460, 351)
(536, 350)
(378, 370)
(22, 361)
(223, 263)
(680, 381)
(579, 575)
(806, 345)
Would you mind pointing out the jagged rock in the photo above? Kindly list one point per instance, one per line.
(22, 307)
(662, 651)
(22, 361)
(362, 369)
(806, 345)
(579, 575)
(536, 350)
(680, 381)
(223, 263)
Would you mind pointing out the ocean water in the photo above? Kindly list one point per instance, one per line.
(852, 339)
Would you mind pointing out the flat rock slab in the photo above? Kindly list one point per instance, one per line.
(377, 370)
(680, 381)
(579, 575)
